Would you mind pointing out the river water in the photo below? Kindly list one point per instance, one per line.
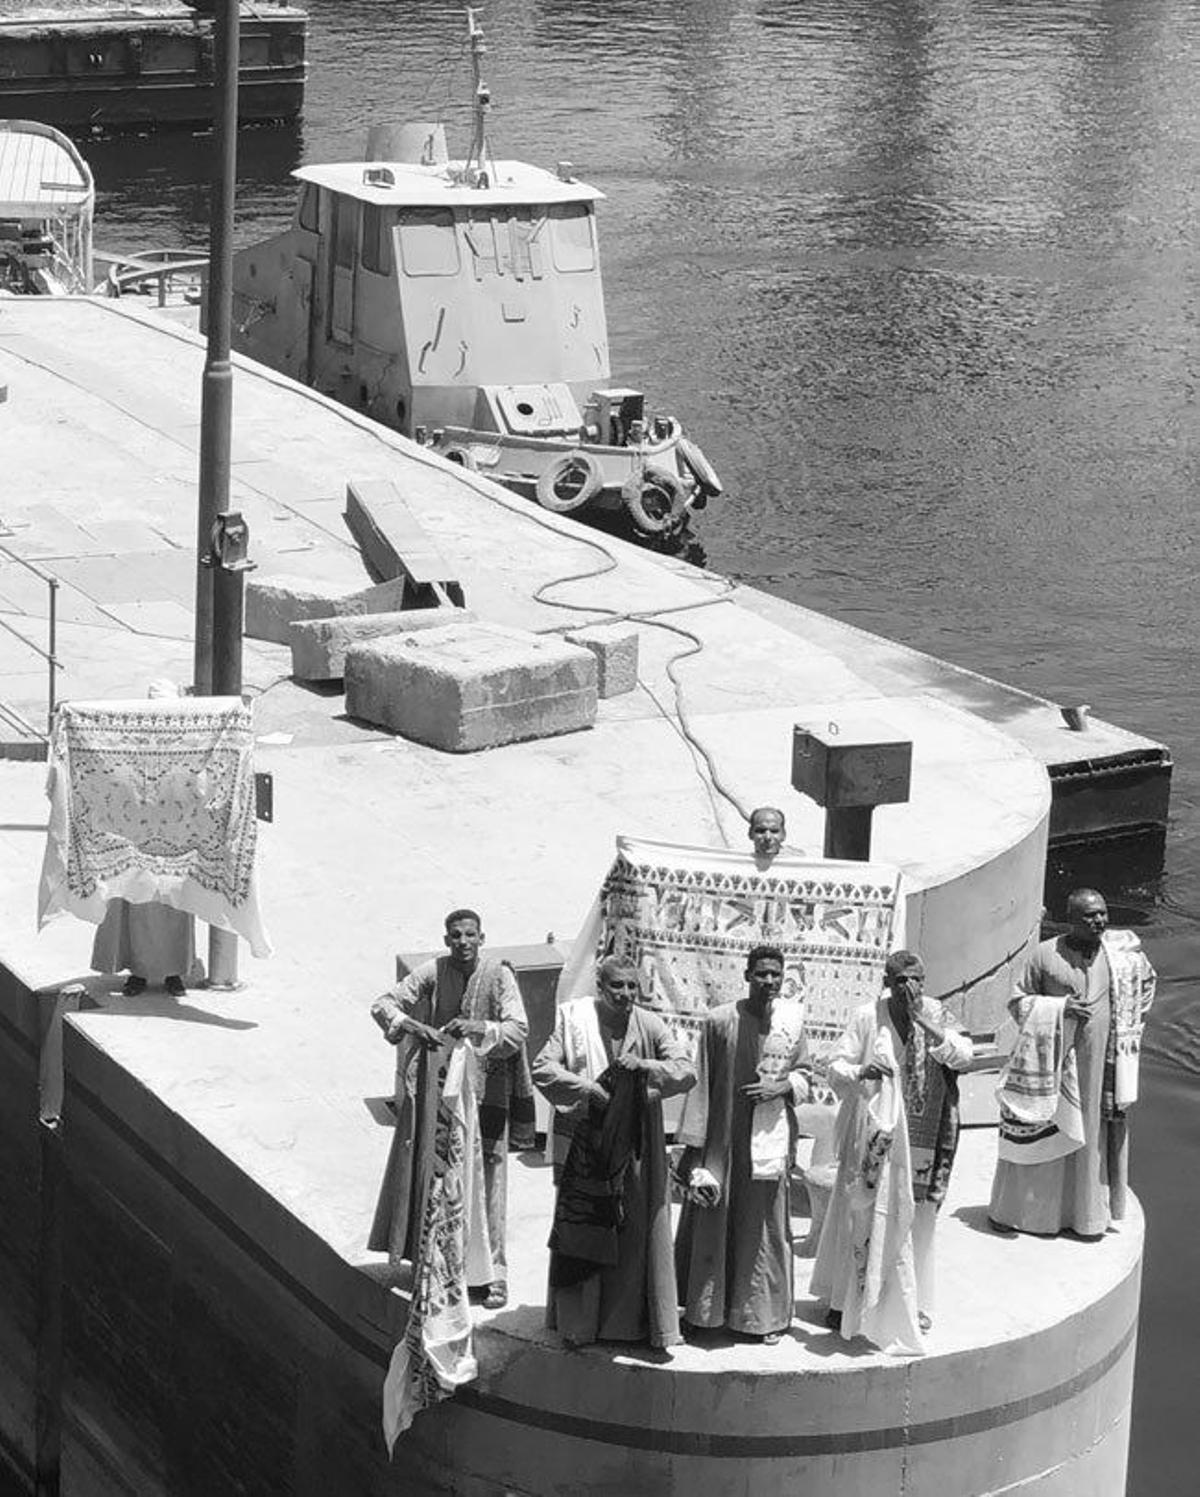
(920, 275)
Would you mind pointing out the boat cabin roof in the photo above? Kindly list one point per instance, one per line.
(414, 186)
(41, 172)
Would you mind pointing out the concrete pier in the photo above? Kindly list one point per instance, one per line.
(223, 1324)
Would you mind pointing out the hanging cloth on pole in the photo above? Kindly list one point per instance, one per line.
(154, 801)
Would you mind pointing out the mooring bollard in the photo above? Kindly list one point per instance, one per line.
(850, 771)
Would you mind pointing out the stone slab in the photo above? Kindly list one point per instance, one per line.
(392, 539)
(615, 647)
(472, 686)
(273, 604)
(319, 645)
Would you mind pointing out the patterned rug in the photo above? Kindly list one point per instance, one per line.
(688, 916)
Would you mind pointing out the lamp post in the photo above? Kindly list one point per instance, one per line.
(219, 587)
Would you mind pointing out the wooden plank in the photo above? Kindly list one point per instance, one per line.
(391, 538)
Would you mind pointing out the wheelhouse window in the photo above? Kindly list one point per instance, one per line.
(309, 207)
(345, 231)
(428, 242)
(377, 239)
(572, 236)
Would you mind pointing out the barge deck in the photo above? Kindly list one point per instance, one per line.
(210, 1190)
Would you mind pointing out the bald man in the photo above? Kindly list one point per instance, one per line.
(1093, 986)
(767, 832)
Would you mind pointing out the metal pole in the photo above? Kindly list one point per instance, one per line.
(218, 659)
(52, 647)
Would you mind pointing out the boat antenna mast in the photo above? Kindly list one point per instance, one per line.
(474, 170)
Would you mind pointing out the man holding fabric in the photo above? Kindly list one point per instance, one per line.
(605, 1069)
(734, 1248)
(460, 996)
(897, 1132)
(1081, 1004)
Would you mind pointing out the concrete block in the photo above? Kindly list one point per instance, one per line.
(319, 645)
(472, 686)
(394, 543)
(274, 603)
(615, 647)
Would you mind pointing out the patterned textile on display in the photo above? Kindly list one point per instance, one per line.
(1132, 983)
(770, 1126)
(436, 1355)
(931, 1108)
(883, 1305)
(583, 1053)
(506, 1112)
(589, 1208)
(154, 801)
(688, 917)
(1041, 1117)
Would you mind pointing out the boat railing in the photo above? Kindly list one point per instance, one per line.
(161, 270)
(49, 654)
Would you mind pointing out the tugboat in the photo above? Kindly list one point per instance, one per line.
(461, 303)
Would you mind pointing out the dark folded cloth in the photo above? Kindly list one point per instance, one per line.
(589, 1210)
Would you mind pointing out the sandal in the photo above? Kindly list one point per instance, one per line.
(772, 1338)
(174, 986)
(134, 986)
(497, 1297)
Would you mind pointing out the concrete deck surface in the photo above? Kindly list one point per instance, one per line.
(375, 837)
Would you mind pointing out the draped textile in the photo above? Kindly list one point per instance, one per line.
(930, 1091)
(866, 1265)
(688, 917)
(435, 1356)
(154, 801)
(882, 1303)
(1131, 991)
(632, 1298)
(589, 1207)
(1040, 1115)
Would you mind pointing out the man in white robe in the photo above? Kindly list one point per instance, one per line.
(896, 1134)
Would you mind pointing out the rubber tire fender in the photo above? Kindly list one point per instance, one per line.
(593, 481)
(463, 456)
(693, 459)
(670, 485)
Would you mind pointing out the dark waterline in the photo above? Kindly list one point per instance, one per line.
(920, 276)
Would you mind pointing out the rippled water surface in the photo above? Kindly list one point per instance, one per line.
(921, 277)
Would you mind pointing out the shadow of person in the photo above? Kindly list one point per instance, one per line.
(157, 1006)
(978, 1220)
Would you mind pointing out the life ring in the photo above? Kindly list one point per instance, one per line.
(463, 456)
(569, 482)
(656, 501)
(699, 467)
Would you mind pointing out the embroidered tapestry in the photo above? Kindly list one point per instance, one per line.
(153, 800)
(688, 916)
(435, 1356)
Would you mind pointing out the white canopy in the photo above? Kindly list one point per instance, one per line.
(42, 175)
